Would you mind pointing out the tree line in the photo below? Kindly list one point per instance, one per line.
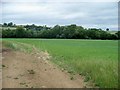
(64, 32)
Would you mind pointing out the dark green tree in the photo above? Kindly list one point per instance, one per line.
(20, 32)
(10, 24)
(107, 29)
(4, 24)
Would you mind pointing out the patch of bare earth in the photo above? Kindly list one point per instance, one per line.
(23, 70)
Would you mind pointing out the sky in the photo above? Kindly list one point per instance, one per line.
(94, 14)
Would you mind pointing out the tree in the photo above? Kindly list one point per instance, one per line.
(93, 33)
(10, 24)
(107, 29)
(69, 32)
(80, 33)
(4, 24)
(8, 33)
(20, 32)
(14, 25)
(105, 35)
(56, 31)
(118, 34)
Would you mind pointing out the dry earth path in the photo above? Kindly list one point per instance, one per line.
(23, 70)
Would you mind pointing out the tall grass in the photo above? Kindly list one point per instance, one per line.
(95, 59)
(17, 46)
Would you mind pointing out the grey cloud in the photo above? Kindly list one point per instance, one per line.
(100, 15)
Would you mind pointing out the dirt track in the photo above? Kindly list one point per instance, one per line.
(22, 70)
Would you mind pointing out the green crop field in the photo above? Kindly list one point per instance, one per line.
(97, 60)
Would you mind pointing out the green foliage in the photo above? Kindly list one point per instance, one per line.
(67, 32)
(5, 24)
(6, 33)
(10, 24)
(9, 45)
(20, 32)
(18, 46)
(107, 29)
(118, 34)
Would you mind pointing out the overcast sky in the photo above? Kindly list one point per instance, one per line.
(48, 12)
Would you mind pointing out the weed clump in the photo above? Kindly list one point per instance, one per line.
(31, 71)
(71, 78)
(3, 66)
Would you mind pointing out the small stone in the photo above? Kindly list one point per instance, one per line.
(26, 85)
(3, 57)
(43, 86)
(54, 68)
(39, 57)
(71, 78)
(31, 71)
(22, 83)
(15, 78)
(8, 76)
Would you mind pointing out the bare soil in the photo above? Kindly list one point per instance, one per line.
(23, 70)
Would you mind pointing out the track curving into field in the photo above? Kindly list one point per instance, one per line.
(23, 70)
